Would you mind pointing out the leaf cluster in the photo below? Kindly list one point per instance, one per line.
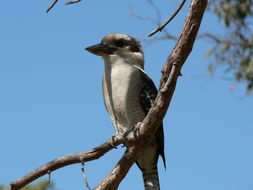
(235, 49)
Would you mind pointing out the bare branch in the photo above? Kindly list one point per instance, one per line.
(80, 157)
(72, 2)
(169, 19)
(67, 3)
(51, 6)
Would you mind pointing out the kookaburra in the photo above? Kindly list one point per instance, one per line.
(128, 95)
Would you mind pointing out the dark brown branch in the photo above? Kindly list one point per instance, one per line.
(167, 22)
(72, 2)
(51, 6)
(80, 157)
(67, 3)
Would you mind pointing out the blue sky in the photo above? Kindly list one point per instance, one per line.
(51, 102)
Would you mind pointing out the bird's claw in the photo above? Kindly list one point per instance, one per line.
(136, 129)
(114, 138)
(112, 141)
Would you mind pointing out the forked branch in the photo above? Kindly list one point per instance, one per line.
(61, 162)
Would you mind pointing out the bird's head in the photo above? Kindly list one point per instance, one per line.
(119, 46)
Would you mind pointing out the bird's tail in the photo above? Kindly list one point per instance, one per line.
(151, 179)
(147, 162)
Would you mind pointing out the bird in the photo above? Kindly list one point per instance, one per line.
(128, 94)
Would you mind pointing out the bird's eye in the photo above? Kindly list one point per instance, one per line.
(134, 48)
(119, 43)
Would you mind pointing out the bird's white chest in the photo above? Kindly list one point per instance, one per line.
(118, 84)
(119, 81)
(120, 88)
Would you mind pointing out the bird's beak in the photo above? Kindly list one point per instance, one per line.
(101, 49)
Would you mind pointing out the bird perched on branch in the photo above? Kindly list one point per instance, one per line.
(129, 93)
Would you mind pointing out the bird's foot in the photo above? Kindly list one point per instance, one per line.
(113, 139)
(136, 129)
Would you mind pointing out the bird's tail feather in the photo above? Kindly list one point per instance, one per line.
(151, 180)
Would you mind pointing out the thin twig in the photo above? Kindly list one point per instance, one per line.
(167, 22)
(60, 162)
(67, 3)
(51, 6)
(72, 2)
(84, 176)
(49, 176)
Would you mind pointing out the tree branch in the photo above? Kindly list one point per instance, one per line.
(167, 22)
(67, 3)
(72, 2)
(52, 5)
(63, 161)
